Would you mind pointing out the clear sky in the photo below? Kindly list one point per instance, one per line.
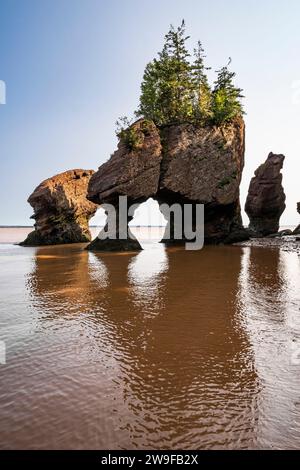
(72, 67)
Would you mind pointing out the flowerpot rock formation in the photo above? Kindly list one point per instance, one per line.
(61, 210)
(180, 163)
(266, 198)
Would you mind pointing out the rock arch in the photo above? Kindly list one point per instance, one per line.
(182, 163)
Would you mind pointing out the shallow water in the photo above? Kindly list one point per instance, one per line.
(164, 349)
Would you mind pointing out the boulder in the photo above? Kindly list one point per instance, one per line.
(61, 210)
(280, 234)
(297, 230)
(266, 198)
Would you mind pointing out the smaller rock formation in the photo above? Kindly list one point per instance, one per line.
(266, 199)
(297, 229)
(281, 234)
(61, 210)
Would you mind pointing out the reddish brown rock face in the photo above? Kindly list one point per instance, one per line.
(205, 165)
(61, 209)
(134, 173)
(266, 199)
(179, 164)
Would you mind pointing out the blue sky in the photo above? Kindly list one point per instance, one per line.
(72, 67)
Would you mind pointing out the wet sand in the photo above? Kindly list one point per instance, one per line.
(163, 349)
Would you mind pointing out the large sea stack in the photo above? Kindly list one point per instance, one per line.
(266, 198)
(180, 163)
(61, 210)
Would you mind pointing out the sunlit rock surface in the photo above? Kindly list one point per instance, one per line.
(61, 210)
(184, 164)
(266, 198)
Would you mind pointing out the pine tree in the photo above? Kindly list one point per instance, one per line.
(151, 95)
(226, 97)
(166, 87)
(175, 91)
(202, 97)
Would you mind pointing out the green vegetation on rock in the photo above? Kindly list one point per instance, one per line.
(175, 89)
(127, 133)
(226, 104)
(132, 136)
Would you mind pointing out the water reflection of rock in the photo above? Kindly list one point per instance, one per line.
(147, 279)
(59, 282)
(270, 286)
(194, 384)
(163, 328)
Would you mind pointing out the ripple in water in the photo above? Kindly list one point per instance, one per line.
(164, 349)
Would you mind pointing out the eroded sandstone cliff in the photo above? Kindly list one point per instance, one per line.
(61, 209)
(181, 164)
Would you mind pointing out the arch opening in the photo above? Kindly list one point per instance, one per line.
(148, 223)
(97, 222)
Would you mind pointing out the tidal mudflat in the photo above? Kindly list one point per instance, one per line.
(163, 349)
